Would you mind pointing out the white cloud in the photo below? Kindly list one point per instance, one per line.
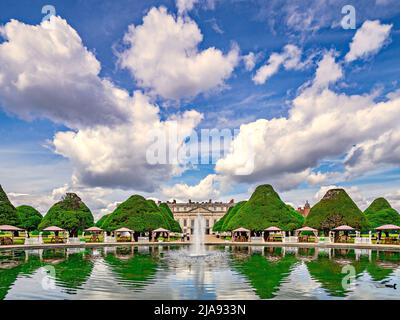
(249, 61)
(95, 198)
(318, 178)
(111, 128)
(394, 199)
(185, 5)
(328, 71)
(207, 188)
(163, 56)
(215, 26)
(303, 18)
(290, 58)
(322, 124)
(380, 152)
(116, 156)
(46, 72)
(368, 40)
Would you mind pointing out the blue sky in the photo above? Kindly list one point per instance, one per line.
(38, 162)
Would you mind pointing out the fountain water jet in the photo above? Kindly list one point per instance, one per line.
(198, 248)
(196, 256)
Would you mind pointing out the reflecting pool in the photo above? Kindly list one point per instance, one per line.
(224, 272)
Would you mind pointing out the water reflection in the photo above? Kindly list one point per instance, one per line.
(131, 269)
(265, 269)
(226, 272)
(72, 272)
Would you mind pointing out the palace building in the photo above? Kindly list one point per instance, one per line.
(186, 213)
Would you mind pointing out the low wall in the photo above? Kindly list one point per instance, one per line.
(178, 243)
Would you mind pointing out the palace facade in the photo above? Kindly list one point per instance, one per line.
(186, 213)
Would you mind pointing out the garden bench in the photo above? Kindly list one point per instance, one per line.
(124, 239)
(57, 240)
(94, 238)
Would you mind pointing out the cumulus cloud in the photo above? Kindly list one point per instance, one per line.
(369, 39)
(207, 188)
(46, 72)
(117, 156)
(328, 71)
(374, 154)
(321, 125)
(290, 58)
(318, 178)
(163, 56)
(111, 128)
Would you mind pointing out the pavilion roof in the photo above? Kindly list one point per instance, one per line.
(94, 229)
(306, 229)
(273, 229)
(123, 230)
(161, 230)
(241, 229)
(7, 227)
(388, 227)
(344, 228)
(54, 229)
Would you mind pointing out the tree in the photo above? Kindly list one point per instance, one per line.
(29, 218)
(8, 213)
(264, 209)
(174, 225)
(334, 209)
(70, 213)
(222, 224)
(100, 223)
(140, 215)
(380, 212)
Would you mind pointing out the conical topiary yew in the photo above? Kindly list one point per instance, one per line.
(264, 209)
(380, 212)
(8, 213)
(334, 209)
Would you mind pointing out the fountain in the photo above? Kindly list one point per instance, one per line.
(196, 257)
(197, 248)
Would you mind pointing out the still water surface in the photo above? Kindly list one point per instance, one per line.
(226, 272)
